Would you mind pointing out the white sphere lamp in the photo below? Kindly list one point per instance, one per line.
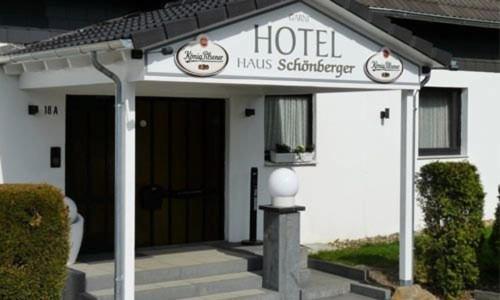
(283, 186)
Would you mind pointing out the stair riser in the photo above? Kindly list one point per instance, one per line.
(225, 286)
(325, 292)
(259, 297)
(174, 273)
(195, 289)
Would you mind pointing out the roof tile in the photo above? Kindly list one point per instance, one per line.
(181, 26)
(240, 7)
(148, 37)
(481, 10)
(212, 16)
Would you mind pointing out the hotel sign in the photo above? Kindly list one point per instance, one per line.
(383, 67)
(301, 49)
(201, 57)
(295, 45)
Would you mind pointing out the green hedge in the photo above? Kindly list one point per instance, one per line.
(33, 242)
(452, 199)
(495, 234)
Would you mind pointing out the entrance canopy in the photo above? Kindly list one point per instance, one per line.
(293, 45)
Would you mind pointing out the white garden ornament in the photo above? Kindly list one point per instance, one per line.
(76, 230)
(283, 186)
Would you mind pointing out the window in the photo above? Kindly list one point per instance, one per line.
(288, 125)
(440, 115)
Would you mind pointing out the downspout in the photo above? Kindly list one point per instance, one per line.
(416, 100)
(119, 179)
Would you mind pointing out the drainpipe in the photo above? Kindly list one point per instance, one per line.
(119, 179)
(416, 101)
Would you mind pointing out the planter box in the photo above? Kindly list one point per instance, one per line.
(305, 157)
(291, 157)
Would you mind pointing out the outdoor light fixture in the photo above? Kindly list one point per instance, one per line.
(32, 110)
(249, 112)
(385, 114)
(283, 186)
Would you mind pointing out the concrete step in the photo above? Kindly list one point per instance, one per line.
(99, 276)
(322, 285)
(349, 296)
(187, 288)
(253, 294)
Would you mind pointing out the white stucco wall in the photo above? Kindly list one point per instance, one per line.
(352, 191)
(25, 140)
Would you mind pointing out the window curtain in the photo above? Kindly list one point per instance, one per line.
(435, 120)
(287, 121)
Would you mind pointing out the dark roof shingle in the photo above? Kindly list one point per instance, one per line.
(478, 10)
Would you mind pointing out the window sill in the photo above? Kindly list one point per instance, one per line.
(435, 157)
(291, 164)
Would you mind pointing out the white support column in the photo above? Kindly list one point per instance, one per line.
(126, 197)
(409, 105)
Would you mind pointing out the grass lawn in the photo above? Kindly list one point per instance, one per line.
(383, 256)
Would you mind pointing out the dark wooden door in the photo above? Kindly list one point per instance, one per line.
(179, 148)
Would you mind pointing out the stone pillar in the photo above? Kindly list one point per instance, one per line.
(281, 259)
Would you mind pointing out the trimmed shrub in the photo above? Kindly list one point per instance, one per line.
(495, 233)
(452, 199)
(33, 242)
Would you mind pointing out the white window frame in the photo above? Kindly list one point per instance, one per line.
(464, 125)
(312, 162)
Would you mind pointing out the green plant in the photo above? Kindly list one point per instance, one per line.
(283, 148)
(33, 242)
(310, 148)
(300, 149)
(452, 199)
(495, 234)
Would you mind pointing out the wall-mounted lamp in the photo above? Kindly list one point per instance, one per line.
(249, 112)
(33, 110)
(385, 114)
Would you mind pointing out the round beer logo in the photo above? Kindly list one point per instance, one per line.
(383, 67)
(201, 57)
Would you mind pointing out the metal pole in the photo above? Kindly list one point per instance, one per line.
(254, 173)
(119, 180)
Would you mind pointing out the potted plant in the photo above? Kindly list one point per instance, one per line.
(282, 154)
(285, 154)
(304, 153)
